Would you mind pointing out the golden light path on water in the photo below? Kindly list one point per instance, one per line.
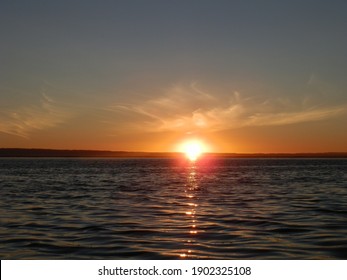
(193, 150)
(190, 191)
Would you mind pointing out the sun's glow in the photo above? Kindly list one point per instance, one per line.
(193, 149)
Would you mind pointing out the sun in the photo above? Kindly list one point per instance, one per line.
(193, 149)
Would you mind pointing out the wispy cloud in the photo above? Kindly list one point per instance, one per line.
(190, 109)
(36, 114)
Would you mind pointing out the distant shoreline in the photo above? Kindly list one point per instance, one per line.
(18, 152)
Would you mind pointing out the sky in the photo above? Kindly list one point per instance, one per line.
(240, 75)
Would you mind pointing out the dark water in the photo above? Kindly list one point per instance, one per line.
(166, 208)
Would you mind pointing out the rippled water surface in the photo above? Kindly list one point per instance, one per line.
(170, 209)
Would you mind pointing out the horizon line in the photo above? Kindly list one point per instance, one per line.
(47, 152)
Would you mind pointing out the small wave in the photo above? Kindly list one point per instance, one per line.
(156, 209)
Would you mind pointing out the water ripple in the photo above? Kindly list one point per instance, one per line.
(166, 209)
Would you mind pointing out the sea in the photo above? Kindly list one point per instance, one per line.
(171, 208)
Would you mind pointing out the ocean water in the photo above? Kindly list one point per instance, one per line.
(173, 209)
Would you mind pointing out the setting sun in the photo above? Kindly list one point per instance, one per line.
(193, 149)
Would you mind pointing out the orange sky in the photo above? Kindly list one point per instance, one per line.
(242, 76)
(320, 136)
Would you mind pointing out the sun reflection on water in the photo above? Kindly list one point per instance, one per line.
(190, 190)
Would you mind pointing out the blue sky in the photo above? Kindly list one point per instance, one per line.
(114, 72)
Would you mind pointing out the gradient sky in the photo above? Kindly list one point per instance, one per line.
(243, 76)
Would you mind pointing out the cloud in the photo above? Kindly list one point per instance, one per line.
(42, 112)
(189, 109)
